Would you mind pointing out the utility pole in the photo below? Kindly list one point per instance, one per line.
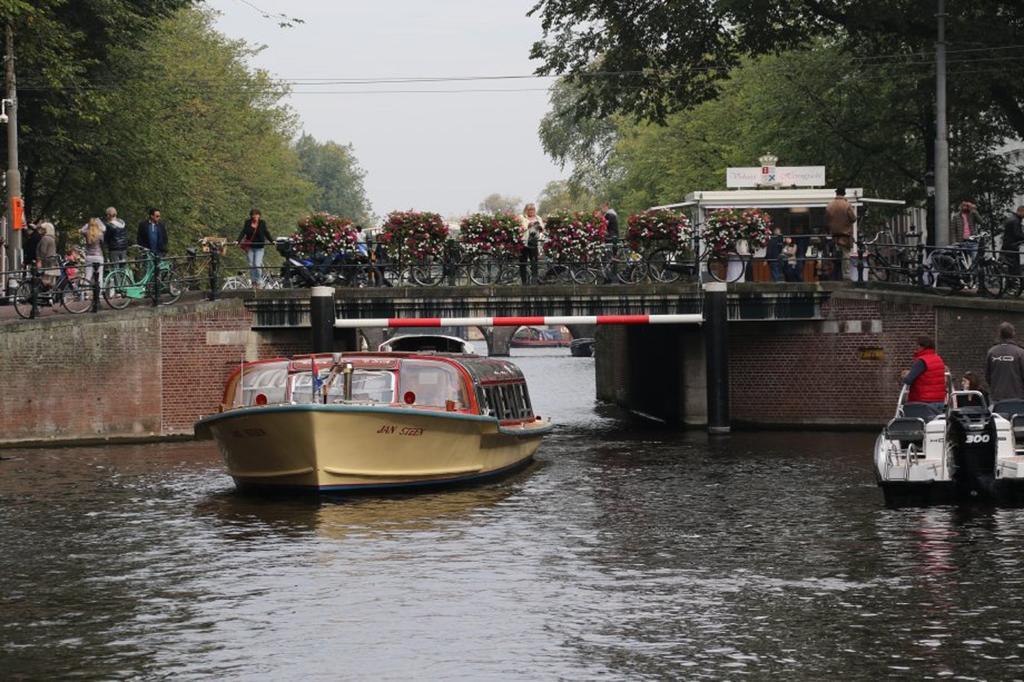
(13, 174)
(941, 137)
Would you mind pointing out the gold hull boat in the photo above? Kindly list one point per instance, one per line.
(374, 421)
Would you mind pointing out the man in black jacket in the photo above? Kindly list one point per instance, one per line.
(1004, 367)
(1013, 237)
(152, 233)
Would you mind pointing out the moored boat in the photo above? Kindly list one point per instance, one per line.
(581, 348)
(537, 337)
(374, 421)
(968, 452)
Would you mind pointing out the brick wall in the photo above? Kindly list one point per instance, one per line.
(134, 373)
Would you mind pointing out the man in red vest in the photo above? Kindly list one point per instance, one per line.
(927, 375)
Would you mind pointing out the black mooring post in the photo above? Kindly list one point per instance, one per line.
(214, 271)
(321, 319)
(716, 353)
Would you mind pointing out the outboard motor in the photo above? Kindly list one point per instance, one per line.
(971, 436)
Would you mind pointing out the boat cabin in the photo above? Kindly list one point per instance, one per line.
(454, 383)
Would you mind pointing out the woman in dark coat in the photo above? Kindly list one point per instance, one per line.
(253, 238)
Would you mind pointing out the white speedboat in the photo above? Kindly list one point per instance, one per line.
(968, 452)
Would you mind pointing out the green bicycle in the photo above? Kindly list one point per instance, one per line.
(124, 283)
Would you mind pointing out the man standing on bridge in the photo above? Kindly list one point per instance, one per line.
(152, 233)
(840, 217)
(1004, 367)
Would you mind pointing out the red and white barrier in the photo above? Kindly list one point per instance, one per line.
(396, 322)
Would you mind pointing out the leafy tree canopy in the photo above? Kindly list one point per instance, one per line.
(652, 58)
(499, 203)
(337, 176)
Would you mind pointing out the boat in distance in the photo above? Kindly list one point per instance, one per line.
(374, 421)
(967, 452)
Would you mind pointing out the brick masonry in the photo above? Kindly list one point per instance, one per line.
(137, 373)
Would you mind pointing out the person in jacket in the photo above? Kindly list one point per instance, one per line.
(840, 218)
(1013, 237)
(115, 236)
(1004, 366)
(966, 222)
(773, 255)
(254, 237)
(530, 228)
(926, 376)
(46, 254)
(92, 234)
(152, 234)
(31, 244)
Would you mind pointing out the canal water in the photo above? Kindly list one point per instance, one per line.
(628, 552)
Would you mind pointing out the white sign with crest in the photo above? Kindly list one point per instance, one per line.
(775, 176)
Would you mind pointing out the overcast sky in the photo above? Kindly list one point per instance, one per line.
(442, 152)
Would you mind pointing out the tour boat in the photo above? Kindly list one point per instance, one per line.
(374, 421)
(968, 452)
(534, 337)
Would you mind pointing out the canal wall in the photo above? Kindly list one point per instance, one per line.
(838, 371)
(123, 375)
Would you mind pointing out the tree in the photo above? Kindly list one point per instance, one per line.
(584, 143)
(499, 203)
(562, 195)
(864, 129)
(337, 176)
(194, 132)
(651, 59)
(67, 67)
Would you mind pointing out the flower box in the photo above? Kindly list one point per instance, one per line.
(490, 233)
(732, 229)
(324, 233)
(574, 237)
(658, 227)
(414, 235)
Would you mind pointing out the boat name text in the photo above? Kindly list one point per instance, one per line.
(404, 431)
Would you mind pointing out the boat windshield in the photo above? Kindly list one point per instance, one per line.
(262, 384)
(372, 386)
(301, 387)
(431, 384)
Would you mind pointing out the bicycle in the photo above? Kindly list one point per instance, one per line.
(71, 291)
(242, 280)
(888, 261)
(488, 269)
(961, 267)
(121, 285)
(614, 263)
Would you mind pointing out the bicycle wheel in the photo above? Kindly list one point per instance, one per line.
(427, 273)
(556, 273)
(584, 274)
(485, 270)
(663, 265)
(171, 289)
(878, 268)
(993, 278)
(77, 296)
(23, 300)
(726, 267)
(633, 271)
(115, 289)
(234, 284)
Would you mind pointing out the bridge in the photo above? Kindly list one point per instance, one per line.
(284, 310)
(803, 355)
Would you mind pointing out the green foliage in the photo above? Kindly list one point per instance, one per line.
(812, 107)
(562, 195)
(499, 203)
(334, 171)
(650, 59)
(142, 103)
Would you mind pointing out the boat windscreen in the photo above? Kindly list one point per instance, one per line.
(262, 384)
(432, 384)
(371, 386)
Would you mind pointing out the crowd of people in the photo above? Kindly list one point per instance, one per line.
(1004, 372)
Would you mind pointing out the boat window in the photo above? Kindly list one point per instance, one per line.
(268, 381)
(371, 386)
(433, 383)
(301, 388)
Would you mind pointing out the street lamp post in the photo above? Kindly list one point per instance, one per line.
(941, 134)
(13, 176)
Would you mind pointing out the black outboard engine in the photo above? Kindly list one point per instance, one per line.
(971, 435)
